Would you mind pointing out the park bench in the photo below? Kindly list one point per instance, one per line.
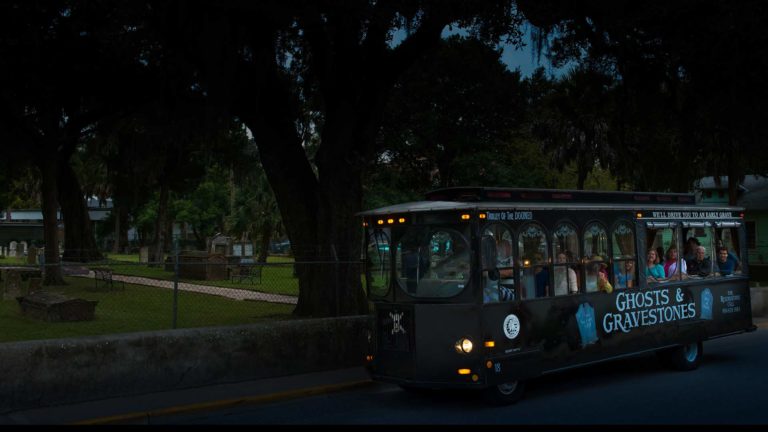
(249, 272)
(104, 275)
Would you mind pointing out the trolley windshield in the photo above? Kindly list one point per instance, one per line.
(429, 261)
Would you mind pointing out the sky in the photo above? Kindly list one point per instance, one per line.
(522, 58)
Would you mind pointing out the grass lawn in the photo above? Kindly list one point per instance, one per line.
(138, 308)
(12, 261)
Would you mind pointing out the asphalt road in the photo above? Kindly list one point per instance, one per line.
(728, 388)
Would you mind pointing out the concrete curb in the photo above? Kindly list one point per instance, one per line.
(131, 418)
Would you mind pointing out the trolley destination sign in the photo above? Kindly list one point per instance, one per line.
(692, 215)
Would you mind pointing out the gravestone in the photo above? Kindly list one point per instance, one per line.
(56, 307)
(202, 266)
(32, 255)
(23, 249)
(12, 249)
(11, 285)
(221, 245)
(144, 254)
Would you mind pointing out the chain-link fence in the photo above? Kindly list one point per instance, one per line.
(188, 289)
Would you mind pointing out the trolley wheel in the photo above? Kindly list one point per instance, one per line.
(683, 358)
(504, 394)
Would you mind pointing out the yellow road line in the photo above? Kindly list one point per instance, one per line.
(213, 405)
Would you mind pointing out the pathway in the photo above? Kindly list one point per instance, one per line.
(233, 293)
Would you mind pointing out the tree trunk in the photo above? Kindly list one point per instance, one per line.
(264, 239)
(79, 241)
(326, 239)
(121, 229)
(116, 243)
(162, 215)
(48, 168)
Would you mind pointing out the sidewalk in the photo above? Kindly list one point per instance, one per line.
(139, 409)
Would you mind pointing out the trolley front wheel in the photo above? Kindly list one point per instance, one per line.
(505, 394)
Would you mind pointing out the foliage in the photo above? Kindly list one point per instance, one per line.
(688, 86)
(205, 207)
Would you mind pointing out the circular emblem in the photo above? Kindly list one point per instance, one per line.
(511, 326)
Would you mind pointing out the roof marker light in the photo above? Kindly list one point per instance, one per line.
(482, 216)
(465, 216)
(390, 221)
(380, 221)
(639, 215)
(464, 371)
(401, 220)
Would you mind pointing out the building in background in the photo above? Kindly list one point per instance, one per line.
(753, 196)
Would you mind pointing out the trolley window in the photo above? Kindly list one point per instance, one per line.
(624, 260)
(432, 262)
(565, 249)
(532, 254)
(498, 275)
(595, 255)
(378, 265)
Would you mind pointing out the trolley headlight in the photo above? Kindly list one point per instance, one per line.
(463, 346)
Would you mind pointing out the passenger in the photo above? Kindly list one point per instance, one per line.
(689, 253)
(700, 265)
(670, 265)
(727, 263)
(493, 292)
(654, 271)
(602, 280)
(565, 277)
(626, 278)
(592, 277)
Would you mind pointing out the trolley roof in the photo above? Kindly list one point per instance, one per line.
(479, 198)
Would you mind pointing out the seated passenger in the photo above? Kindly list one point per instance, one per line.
(654, 272)
(593, 269)
(493, 291)
(689, 253)
(602, 280)
(727, 264)
(565, 277)
(700, 265)
(670, 265)
(625, 278)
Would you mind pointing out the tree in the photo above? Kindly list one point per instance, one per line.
(689, 76)
(63, 71)
(340, 61)
(456, 102)
(574, 122)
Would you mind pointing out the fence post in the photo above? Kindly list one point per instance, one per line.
(336, 276)
(175, 281)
